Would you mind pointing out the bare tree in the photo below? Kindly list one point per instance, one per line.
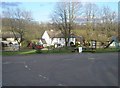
(91, 15)
(109, 20)
(65, 16)
(16, 20)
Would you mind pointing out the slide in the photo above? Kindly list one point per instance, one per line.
(109, 44)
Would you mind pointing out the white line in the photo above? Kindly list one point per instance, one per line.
(7, 63)
(26, 66)
(91, 58)
(61, 84)
(43, 77)
(40, 75)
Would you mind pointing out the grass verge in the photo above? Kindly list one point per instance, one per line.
(101, 50)
(55, 51)
(12, 53)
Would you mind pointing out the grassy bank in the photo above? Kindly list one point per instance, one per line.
(101, 50)
(12, 53)
(60, 51)
(31, 51)
(107, 50)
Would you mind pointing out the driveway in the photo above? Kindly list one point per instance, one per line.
(85, 69)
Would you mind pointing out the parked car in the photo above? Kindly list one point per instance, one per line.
(39, 47)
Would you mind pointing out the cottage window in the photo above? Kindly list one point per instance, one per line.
(60, 39)
(4, 39)
(15, 38)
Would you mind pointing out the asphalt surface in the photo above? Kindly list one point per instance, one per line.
(85, 69)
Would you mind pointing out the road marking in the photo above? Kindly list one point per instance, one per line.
(7, 63)
(43, 77)
(29, 69)
(26, 66)
(40, 75)
(60, 85)
(13, 63)
(91, 58)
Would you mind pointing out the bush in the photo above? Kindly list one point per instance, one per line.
(24, 44)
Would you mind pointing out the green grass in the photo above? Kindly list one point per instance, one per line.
(101, 50)
(55, 51)
(30, 51)
(107, 50)
(27, 52)
(11, 53)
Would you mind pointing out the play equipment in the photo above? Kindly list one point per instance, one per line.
(94, 44)
(113, 39)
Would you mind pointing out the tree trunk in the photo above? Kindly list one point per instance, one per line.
(19, 47)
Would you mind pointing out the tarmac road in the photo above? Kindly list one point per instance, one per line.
(85, 69)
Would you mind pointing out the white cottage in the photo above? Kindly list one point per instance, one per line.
(9, 37)
(9, 42)
(55, 38)
(47, 38)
